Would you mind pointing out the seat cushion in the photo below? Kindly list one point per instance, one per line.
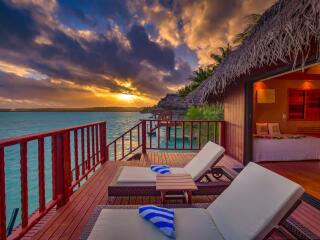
(209, 156)
(141, 174)
(190, 223)
(254, 203)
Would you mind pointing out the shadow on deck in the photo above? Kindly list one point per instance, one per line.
(68, 221)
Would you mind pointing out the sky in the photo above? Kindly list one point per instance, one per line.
(78, 53)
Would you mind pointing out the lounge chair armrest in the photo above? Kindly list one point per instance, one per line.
(229, 173)
(218, 171)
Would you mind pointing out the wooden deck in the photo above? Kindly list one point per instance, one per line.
(306, 173)
(68, 221)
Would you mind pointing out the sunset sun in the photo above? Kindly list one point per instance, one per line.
(126, 97)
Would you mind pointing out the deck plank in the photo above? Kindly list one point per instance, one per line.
(68, 221)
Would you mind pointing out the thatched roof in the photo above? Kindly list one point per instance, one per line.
(172, 102)
(284, 33)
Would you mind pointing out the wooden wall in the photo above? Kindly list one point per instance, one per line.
(234, 115)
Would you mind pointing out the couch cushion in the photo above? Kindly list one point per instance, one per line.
(254, 203)
(191, 223)
(207, 157)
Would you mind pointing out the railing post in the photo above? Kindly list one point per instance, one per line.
(222, 133)
(104, 153)
(42, 194)
(2, 197)
(24, 183)
(144, 136)
(63, 167)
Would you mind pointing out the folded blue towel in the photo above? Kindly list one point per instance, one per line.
(162, 169)
(162, 218)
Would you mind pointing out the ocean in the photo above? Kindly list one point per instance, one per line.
(21, 123)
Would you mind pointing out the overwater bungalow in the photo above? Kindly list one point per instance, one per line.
(171, 106)
(254, 175)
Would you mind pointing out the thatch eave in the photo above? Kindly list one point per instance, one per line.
(172, 102)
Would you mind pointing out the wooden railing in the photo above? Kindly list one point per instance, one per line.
(156, 134)
(74, 153)
(126, 144)
(182, 134)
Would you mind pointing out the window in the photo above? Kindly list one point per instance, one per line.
(304, 104)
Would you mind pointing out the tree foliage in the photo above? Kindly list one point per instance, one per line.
(199, 75)
(252, 21)
(202, 73)
(208, 112)
(223, 53)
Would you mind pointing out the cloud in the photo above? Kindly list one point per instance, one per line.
(20, 92)
(209, 24)
(21, 71)
(92, 13)
(202, 25)
(180, 74)
(92, 50)
(17, 27)
(166, 22)
(144, 49)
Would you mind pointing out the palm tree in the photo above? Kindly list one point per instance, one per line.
(252, 21)
(224, 52)
(199, 75)
(202, 73)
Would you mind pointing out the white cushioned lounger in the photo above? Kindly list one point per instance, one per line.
(254, 203)
(209, 155)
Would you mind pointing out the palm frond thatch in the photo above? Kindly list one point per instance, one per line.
(171, 102)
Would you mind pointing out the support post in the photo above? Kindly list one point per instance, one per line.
(2, 197)
(42, 192)
(24, 183)
(248, 120)
(104, 153)
(222, 134)
(144, 136)
(63, 168)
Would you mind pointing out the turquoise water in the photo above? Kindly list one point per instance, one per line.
(16, 124)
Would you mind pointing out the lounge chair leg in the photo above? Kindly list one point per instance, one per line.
(163, 197)
(188, 197)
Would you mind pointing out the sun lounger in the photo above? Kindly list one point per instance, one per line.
(254, 205)
(131, 181)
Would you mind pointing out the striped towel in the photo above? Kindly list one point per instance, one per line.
(162, 218)
(162, 169)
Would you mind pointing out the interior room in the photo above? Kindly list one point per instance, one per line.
(286, 119)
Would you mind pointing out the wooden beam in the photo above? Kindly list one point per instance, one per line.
(299, 76)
